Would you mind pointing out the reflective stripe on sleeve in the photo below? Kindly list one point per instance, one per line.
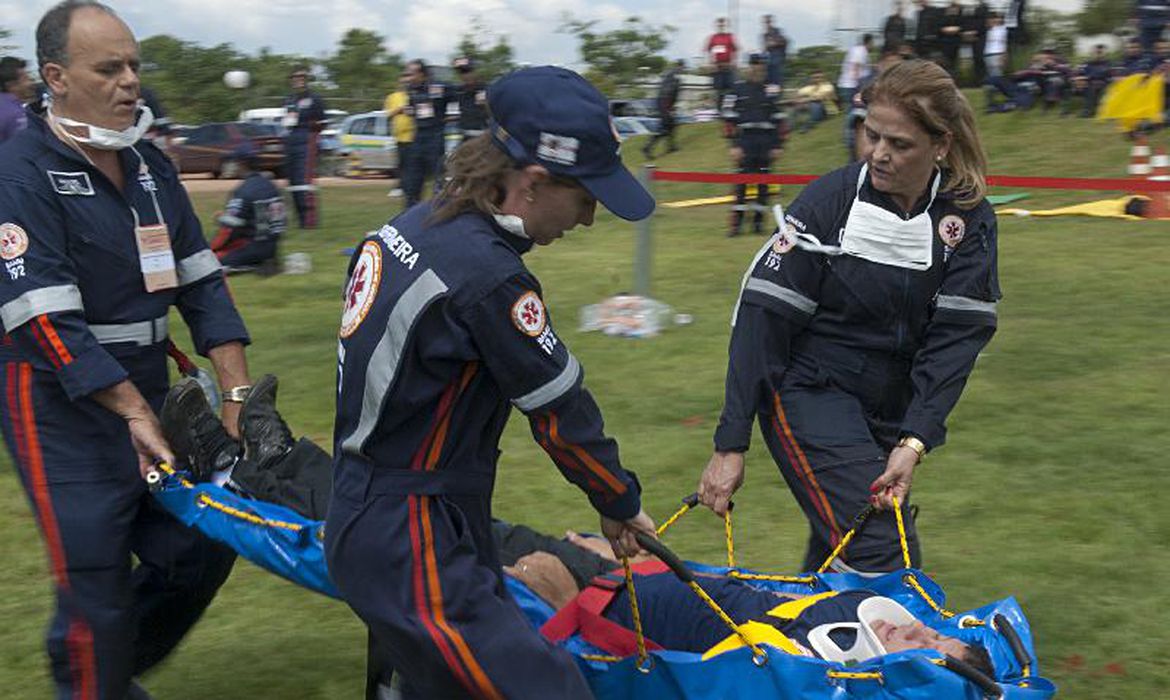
(35, 302)
(197, 266)
(966, 304)
(794, 299)
(229, 220)
(544, 395)
(383, 363)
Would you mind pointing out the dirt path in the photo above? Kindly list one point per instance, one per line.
(206, 183)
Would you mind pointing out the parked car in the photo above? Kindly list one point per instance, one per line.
(366, 143)
(636, 126)
(205, 148)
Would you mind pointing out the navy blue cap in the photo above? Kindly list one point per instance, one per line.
(555, 118)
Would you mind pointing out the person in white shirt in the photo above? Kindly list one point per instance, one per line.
(854, 69)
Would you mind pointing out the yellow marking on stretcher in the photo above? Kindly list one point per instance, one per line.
(604, 658)
(790, 610)
(753, 632)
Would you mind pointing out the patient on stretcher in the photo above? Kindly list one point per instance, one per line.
(848, 626)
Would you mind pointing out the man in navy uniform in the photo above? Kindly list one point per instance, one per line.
(428, 106)
(668, 90)
(472, 95)
(444, 329)
(98, 240)
(253, 221)
(757, 129)
(304, 118)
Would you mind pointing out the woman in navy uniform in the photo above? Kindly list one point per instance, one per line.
(444, 329)
(858, 324)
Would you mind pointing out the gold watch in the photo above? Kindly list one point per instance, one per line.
(237, 394)
(914, 444)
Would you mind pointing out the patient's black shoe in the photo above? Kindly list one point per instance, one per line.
(195, 433)
(265, 435)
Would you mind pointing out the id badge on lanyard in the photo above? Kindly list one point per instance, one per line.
(155, 257)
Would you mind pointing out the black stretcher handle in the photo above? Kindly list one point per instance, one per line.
(989, 687)
(693, 500)
(655, 547)
(1013, 639)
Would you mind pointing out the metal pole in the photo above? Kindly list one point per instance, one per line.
(642, 252)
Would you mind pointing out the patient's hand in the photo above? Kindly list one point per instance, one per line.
(546, 576)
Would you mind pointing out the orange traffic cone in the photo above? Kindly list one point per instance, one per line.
(1159, 207)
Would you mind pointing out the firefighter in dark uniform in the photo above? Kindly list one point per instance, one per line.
(858, 324)
(472, 94)
(253, 220)
(757, 128)
(304, 118)
(98, 241)
(444, 329)
(428, 106)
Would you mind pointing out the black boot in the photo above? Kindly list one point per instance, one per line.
(265, 435)
(195, 433)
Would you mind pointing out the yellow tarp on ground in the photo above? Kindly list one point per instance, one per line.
(1133, 100)
(1106, 208)
(724, 199)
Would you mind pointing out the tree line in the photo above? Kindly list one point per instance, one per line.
(622, 62)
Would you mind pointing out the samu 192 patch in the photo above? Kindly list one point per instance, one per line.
(362, 288)
(13, 241)
(528, 314)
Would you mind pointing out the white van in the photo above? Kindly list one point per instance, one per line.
(366, 143)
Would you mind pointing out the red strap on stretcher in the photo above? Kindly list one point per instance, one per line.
(585, 615)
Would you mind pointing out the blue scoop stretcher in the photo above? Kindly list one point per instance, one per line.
(291, 546)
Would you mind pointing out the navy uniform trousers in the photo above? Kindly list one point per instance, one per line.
(301, 163)
(422, 572)
(79, 471)
(830, 428)
(757, 148)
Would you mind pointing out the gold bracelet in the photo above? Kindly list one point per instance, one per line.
(237, 394)
(915, 444)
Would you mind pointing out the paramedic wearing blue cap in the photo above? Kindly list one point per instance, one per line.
(304, 118)
(98, 241)
(253, 220)
(757, 129)
(858, 325)
(444, 330)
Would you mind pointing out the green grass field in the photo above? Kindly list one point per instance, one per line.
(1050, 488)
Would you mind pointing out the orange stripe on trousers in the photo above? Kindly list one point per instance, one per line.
(79, 640)
(483, 686)
(804, 470)
(420, 591)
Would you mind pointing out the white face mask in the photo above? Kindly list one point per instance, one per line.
(881, 236)
(512, 224)
(108, 139)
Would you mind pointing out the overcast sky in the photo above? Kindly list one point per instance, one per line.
(430, 28)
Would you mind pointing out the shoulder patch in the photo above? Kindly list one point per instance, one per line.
(951, 229)
(74, 184)
(785, 240)
(362, 288)
(529, 315)
(13, 241)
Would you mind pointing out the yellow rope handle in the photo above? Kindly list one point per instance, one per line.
(856, 675)
(730, 541)
(633, 596)
(912, 581)
(677, 514)
(736, 573)
(605, 658)
(901, 533)
(837, 551)
(210, 502)
(756, 650)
